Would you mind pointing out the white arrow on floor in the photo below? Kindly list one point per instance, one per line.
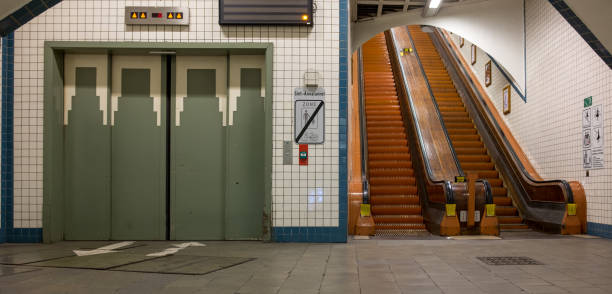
(176, 248)
(102, 250)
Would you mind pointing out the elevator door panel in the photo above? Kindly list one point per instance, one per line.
(86, 148)
(245, 198)
(198, 148)
(138, 149)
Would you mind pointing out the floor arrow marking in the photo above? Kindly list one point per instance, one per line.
(104, 249)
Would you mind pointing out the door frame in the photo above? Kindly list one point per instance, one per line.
(53, 115)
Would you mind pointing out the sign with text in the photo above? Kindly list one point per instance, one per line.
(593, 136)
(309, 117)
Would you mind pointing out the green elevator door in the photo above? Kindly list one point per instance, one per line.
(138, 148)
(198, 149)
(218, 161)
(246, 188)
(87, 148)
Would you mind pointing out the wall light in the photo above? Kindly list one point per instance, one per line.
(434, 4)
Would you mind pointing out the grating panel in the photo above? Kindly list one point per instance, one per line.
(508, 260)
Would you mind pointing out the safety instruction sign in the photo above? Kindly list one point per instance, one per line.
(593, 137)
(309, 117)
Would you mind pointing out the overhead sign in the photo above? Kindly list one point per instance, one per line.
(141, 15)
(592, 136)
(309, 117)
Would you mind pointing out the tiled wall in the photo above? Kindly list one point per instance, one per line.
(296, 49)
(562, 70)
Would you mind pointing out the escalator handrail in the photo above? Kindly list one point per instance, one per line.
(448, 189)
(363, 130)
(566, 187)
(435, 103)
(488, 190)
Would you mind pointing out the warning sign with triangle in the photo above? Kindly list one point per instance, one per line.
(179, 15)
(134, 15)
(170, 15)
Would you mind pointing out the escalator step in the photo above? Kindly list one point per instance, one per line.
(388, 149)
(394, 199)
(395, 209)
(391, 172)
(392, 190)
(502, 201)
(388, 156)
(398, 219)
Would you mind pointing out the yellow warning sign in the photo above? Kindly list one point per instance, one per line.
(134, 15)
(490, 209)
(179, 15)
(170, 15)
(365, 209)
(450, 209)
(571, 209)
(143, 15)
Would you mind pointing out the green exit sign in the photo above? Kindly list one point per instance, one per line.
(588, 101)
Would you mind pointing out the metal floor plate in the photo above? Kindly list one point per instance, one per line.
(7, 271)
(34, 256)
(100, 261)
(184, 264)
(508, 260)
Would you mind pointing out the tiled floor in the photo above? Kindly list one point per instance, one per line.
(420, 265)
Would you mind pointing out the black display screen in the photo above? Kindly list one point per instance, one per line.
(277, 12)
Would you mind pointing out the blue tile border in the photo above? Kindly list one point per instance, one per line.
(331, 234)
(601, 230)
(11, 234)
(582, 30)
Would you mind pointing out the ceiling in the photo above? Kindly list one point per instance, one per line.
(9, 6)
(364, 10)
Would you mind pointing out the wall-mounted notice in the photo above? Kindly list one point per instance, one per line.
(592, 135)
(309, 118)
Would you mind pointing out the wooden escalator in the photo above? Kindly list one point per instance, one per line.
(466, 140)
(394, 199)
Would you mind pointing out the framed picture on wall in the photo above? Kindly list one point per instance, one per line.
(506, 97)
(488, 73)
(473, 54)
(461, 42)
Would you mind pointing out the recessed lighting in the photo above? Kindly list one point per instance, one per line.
(434, 3)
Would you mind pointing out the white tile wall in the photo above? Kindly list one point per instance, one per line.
(296, 49)
(562, 70)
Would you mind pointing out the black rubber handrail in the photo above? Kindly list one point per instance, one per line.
(365, 179)
(523, 170)
(488, 190)
(448, 189)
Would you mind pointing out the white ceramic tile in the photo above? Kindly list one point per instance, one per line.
(562, 70)
(296, 49)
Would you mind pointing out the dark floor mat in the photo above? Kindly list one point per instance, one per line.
(100, 261)
(34, 256)
(184, 264)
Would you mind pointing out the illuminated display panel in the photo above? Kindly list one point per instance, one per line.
(279, 12)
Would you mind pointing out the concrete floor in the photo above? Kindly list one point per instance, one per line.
(420, 265)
